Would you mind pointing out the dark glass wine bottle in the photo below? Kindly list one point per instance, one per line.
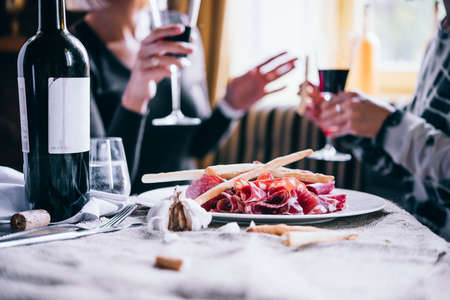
(53, 81)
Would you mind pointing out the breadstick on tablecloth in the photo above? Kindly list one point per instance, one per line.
(273, 164)
(280, 229)
(300, 239)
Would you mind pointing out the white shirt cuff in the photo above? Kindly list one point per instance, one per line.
(229, 111)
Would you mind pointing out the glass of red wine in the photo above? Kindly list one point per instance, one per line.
(165, 18)
(333, 67)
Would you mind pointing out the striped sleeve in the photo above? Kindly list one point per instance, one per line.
(419, 147)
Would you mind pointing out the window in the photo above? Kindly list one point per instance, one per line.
(261, 28)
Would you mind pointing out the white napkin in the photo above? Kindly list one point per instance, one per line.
(12, 199)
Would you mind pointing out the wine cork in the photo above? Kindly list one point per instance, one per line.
(30, 219)
(164, 262)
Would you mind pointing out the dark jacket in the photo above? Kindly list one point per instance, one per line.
(149, 148)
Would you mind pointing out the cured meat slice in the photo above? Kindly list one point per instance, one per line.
(273, 185)
(333, 202)
(320, 188)
(265, 176)
(281, 202)
(248, 191)
(309, 201)
(201, 185)
(229, 203)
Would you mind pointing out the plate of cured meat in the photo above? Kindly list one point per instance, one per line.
(265, 193)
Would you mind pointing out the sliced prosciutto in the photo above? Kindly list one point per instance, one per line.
(228, 203)
(201, 185)
(281, 203)
(269, 195)
(320, 188)
(333, 202)
(248, 191)
(309, 201)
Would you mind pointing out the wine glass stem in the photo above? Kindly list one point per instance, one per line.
(175, 87)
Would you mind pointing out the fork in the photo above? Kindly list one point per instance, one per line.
(112, 222)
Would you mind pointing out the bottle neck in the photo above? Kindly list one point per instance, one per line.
(52, 15)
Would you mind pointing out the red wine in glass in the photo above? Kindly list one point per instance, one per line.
(176, 117)
(331, 82)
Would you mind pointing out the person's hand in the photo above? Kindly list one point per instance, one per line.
(353, 113)
(312, 110)
(244, 91)
(152, 65)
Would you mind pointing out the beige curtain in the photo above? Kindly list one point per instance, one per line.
(212, 24)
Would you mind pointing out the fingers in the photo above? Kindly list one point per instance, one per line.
(157, 73)
(274, 91)
(162, 32)
(280, 70)
(339, 99)
(344, 129)
(270, 60)
(164, 47)
(338, 120)
(162, 61)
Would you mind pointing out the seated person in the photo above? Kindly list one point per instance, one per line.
(413, 142)
(130, 87)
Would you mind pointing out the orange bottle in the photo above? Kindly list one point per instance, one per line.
(363, 69)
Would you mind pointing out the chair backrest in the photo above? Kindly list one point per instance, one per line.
(265, 133)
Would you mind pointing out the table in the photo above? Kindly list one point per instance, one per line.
(395, 257)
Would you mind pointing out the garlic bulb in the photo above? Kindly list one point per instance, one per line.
(178, 213)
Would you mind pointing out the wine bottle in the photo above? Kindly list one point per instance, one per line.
(53, 82)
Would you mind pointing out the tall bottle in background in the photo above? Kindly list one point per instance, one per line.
(53, 81)
(363, 72)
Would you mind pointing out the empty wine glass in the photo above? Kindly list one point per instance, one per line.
(108, 166)
(165, 18)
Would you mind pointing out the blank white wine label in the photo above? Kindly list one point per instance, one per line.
(23, 115)
(68, 115)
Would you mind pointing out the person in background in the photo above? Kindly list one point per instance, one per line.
(126, 59)
(412, 143)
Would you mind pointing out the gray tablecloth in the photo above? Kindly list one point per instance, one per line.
(394, 257)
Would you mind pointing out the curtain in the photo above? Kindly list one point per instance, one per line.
(212, 23)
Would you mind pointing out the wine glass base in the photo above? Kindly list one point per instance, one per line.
(329, 153)
(176, 118)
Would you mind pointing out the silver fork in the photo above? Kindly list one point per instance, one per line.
(114, 221)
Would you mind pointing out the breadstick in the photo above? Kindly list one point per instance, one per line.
(281, 229)
(302, 176)
(230, 171)
(273, 164)
(304, 98)
(300, 239)
(164, 262)
(173, 176)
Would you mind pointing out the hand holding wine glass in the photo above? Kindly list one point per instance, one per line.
(152, 65)
(333, 64)
(360, 115)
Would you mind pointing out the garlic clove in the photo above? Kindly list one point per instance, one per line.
(158, 216)
(197, 217)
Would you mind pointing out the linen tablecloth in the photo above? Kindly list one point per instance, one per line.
(395, 257)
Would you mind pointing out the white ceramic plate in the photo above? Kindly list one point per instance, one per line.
(358, 203)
